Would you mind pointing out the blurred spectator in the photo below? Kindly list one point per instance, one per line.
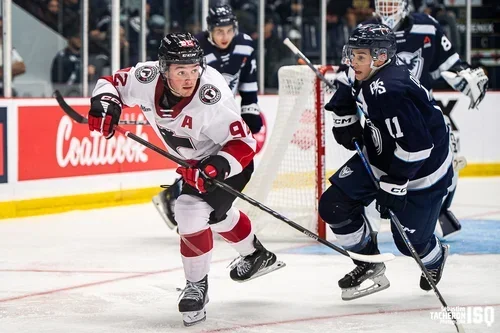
(276, 54)
(51, 14)
(18, 66)
(362, 9)
(338, 30)
(156, 32)
(66, 67)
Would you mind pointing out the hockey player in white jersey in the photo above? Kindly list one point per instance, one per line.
(232, 54)
(429, 54)
(194, 112)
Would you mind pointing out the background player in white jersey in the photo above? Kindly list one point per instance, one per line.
(429, 54)
(233, 55)
(194, 112)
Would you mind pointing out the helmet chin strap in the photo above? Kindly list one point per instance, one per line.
(375, 69)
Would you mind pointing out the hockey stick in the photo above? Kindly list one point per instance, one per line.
(377, 258)
(408, 243)
(299, 54)
(394, 218)
(81, 119)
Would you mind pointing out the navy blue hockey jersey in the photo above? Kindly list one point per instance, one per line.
(424, 47)
(237, 64)
(405, 134)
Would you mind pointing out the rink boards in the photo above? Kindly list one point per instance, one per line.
(49, 164)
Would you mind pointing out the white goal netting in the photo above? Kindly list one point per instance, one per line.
(295, 164)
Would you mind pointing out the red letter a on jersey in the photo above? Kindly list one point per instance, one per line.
(187, 122)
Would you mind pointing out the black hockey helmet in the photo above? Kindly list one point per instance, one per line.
(379, 38)
(179, 48)
(221, 15)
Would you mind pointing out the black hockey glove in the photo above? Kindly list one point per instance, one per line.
(251, 115)
(391, 195)
(346, 127)
(104, 114)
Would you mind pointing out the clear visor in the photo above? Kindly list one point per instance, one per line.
(362, 57)
(391, 12)
(183, 72)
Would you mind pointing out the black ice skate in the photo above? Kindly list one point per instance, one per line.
(165, 202)
(436, 270)
(192, 302)
(351, 282)
(256, 264)
(373, 272)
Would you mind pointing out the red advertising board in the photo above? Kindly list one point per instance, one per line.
(51, 145)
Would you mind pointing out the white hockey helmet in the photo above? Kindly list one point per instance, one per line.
(391, 12)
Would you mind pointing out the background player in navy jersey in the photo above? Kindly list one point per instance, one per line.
(429, 54)
(406, 141)
(232, 54)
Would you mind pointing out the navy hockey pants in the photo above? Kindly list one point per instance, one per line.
(342, 205)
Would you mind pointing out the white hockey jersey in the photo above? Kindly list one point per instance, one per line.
(206, 123)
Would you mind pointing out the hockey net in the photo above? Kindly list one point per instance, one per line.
(292, 171)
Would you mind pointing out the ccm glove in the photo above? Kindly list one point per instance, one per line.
(199, 177)
(104, 114)
(391, 195)
(251, 115)
(471, 82)
(347, 127)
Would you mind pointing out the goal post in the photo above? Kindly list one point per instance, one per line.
(297, 157)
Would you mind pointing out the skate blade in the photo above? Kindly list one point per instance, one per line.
(194, 317)
(157, 203)
(379, 283)
(274, 267)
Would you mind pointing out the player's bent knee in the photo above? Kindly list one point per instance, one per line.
(420, 248)
(191, 214)
(338, 210)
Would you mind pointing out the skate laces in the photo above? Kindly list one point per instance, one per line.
(193, 291)
(358, 270)
(242, 265)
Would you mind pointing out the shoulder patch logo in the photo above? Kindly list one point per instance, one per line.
(209, 94)
(345, 172)
(146, 74)
(414, 61)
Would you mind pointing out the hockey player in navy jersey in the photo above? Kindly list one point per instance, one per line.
(429, 54)
(406, 141)
(232, 54)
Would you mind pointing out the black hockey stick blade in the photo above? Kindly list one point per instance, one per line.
(80, 119)
(68, 109)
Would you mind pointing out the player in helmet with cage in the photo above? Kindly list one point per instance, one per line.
(429, 55)
(232, 54)
(406, 141)
(194, 113)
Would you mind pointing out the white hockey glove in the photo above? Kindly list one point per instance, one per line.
(251, 115)
(471, 82)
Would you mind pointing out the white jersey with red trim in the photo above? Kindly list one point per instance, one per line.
(206, 123)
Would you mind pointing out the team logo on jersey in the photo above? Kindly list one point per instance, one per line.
(146, 74)
(376, 136)
(427, 42)
(232, 81)
(209, 94)
(414, 61)
(345, 172)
